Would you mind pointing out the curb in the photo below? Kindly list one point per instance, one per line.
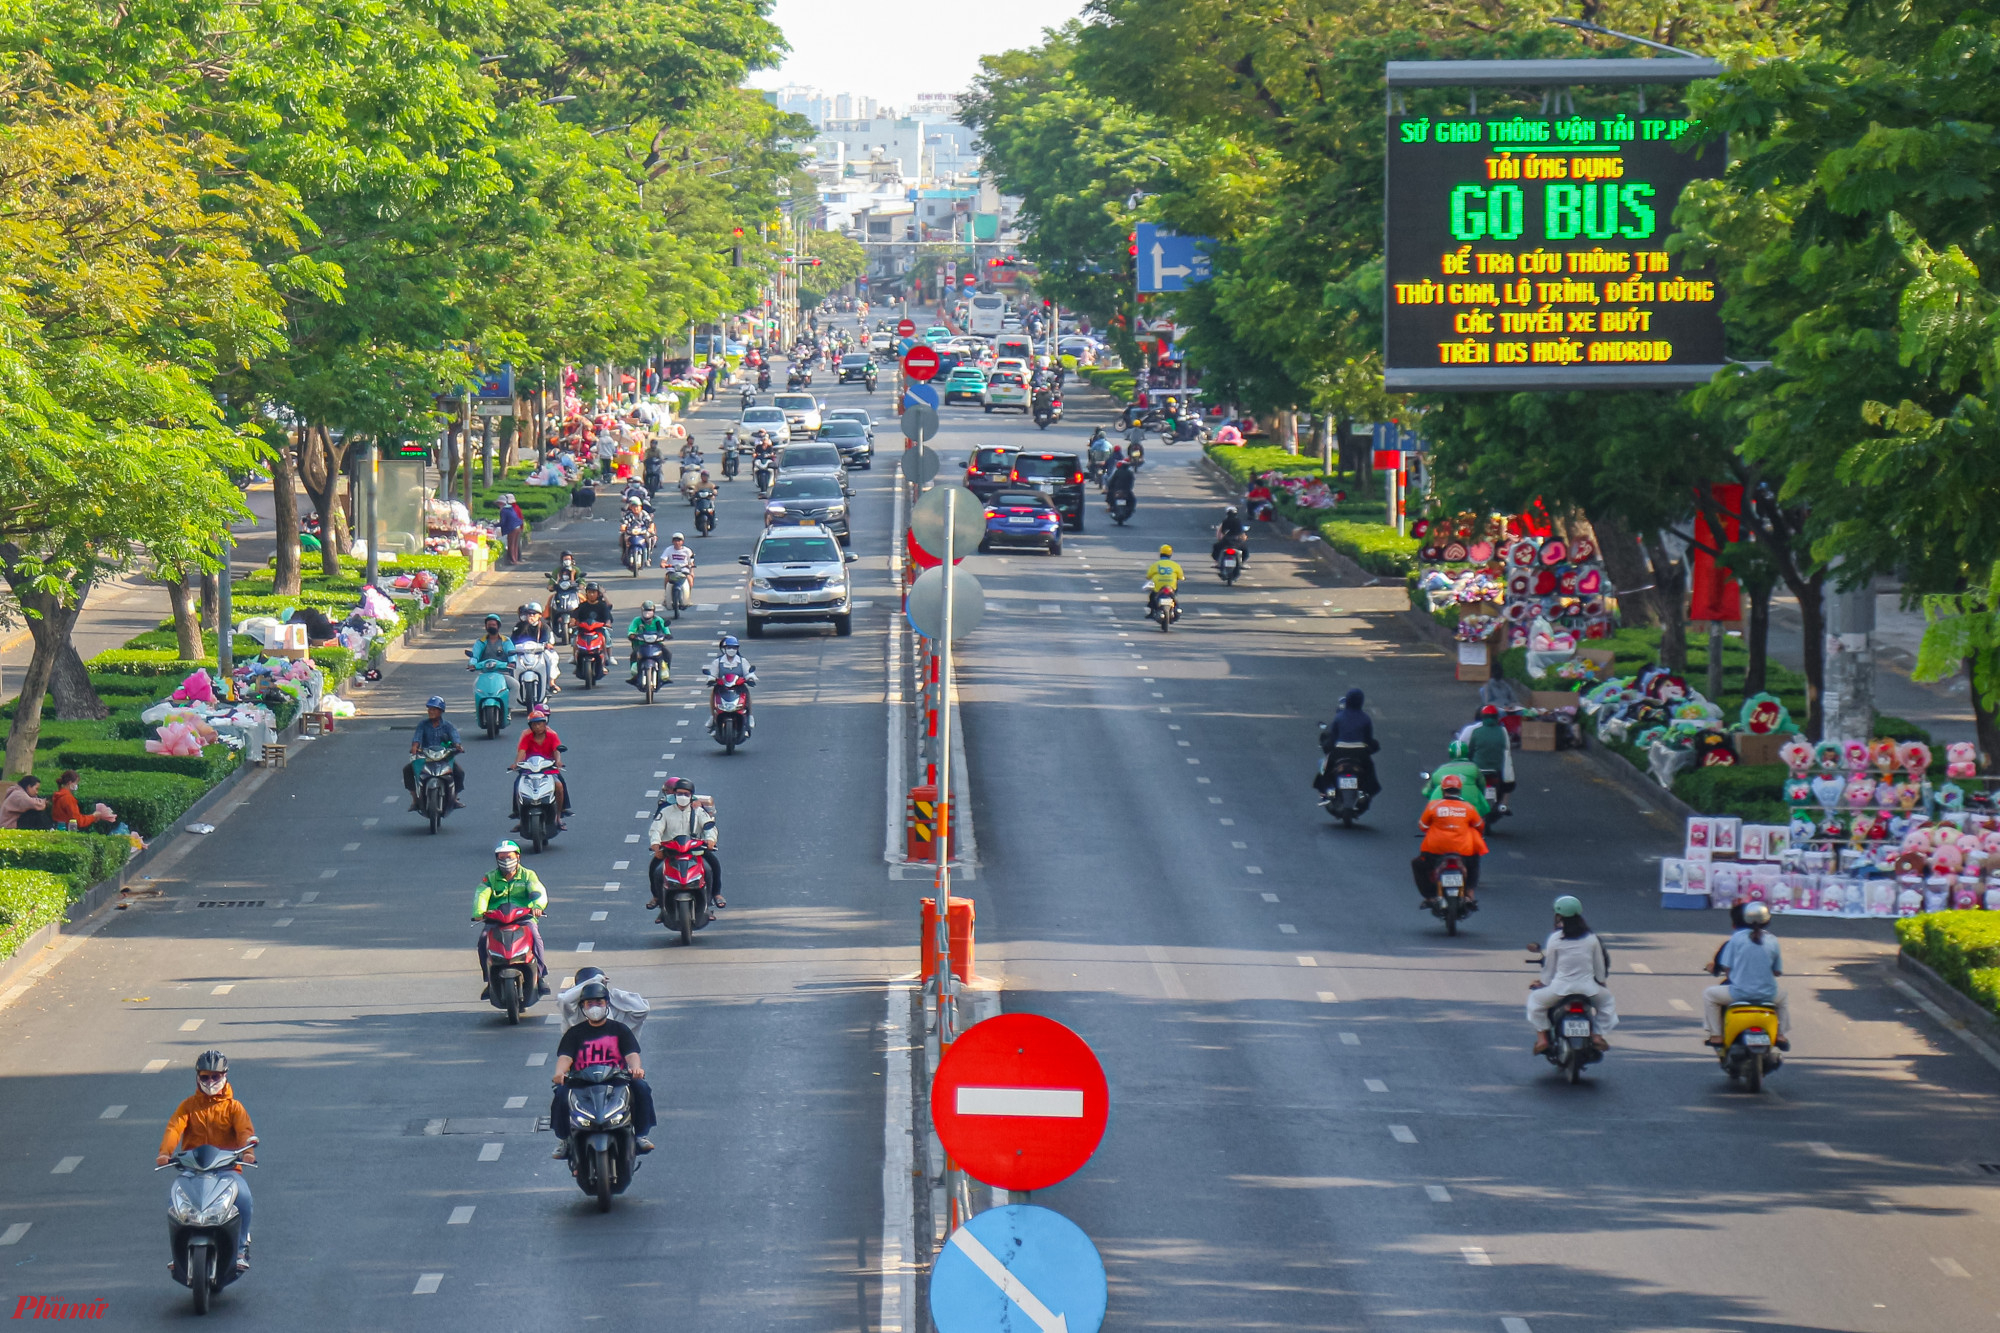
(1947, 997)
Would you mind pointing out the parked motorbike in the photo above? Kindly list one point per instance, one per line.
(541, 806)
(603, 1145)
(653, 662)
(434, 784)
(1229, 564)
(592, 655)
(684, 890)
(1749, 1044)
(512, 981)
(1449, 904)
(562, 608)
(704, 511)
(729, 708)
(1166, 609)
(492, 692)
(1343, 797)
(203, 1225)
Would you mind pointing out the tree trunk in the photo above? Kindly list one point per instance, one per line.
(49, 623)
(187, 625)
(1626, 564)
(69, 684)
(284, 500)
(1668, 576)
(1986, 726)
(1812, 649)
(320, 473)
(211, 600)
(1757, 637)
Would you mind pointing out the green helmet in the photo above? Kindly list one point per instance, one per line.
(1568, 906)
(1458, 749)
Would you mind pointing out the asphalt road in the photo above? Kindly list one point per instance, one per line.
(397, 1111)
(1324, 1115)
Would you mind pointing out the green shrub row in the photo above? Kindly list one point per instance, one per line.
(1961, 947)
(148, 802)
(81, 858)
(211, 765)
(1244, 461)
(29, 900)
(1120, 384)
(1376, 547)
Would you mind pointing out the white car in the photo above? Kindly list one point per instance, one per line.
(770, 420)
(1006, 388)
(881, 341)
(801, 412)
(799, 573)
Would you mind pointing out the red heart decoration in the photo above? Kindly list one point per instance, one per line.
(1584, 549)
(1553, 551)
(1566, 581)
(1454, 552)
(1545, 582)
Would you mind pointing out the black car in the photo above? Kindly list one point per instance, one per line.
(808, 498)
(854, 367)
(851, 438)
(987, 471)
(1058, 476)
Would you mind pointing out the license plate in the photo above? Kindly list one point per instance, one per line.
(1489, 793)
(798, 597)
(1756, 1039)
(1350, 783)
(1453, 880)
(1450, 891)
(1576, 1027)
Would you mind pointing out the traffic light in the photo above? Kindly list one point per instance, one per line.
(1132, 245)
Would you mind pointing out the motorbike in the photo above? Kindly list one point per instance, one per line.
(1099, 452)
(1572, 1025)
(562, 608)
(677, 591)
(729, 708)
(764, 470)
(1121, 507)
(1229, 564)
(652, 654)
(684, 891)
(1166, 609)
(492, 690)
(638, 548)
(655, 475)
(603, 1145)
(763, 379)
(434, 784)
(204, 1229)
(530, 685)
(512, 982)
(1343, 797)
(535, 793)
(796, 381)
(1449, 904)
(592, 656)
(691, 478)
(749, 396)
(1048, 409)
(1135, 454)
(1749, 1044)
(1495, 811)
(869, 380)
(730, 464)
(704, 511)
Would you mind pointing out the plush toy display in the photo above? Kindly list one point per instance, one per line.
(1961, 759)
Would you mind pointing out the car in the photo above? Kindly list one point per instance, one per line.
(1083, 348)
(813, 458)
(1058, 476)
(987, 470)
(854, 367)
(771, 420)
(1020, 517)
(798, 575)
(1006, 388)
(1013, 363)
(813, 497)
(801, 412)
(882, 340)
(949, 361)
(859, 414)
(936, 335)
(968, 382)
(851, 438)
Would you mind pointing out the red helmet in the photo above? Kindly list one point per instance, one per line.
(1451, 782)
(538, 714)
(1489, 711)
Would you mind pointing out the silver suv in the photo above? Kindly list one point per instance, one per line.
(798, 574)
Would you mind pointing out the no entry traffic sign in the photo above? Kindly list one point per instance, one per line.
(906, 328)
(921, 362)
(1020, 1102)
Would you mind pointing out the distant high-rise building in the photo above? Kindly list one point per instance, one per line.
(843, 106)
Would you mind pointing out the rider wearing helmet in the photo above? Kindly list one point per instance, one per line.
(650, 621)
(511, 884)
(678, 562)
(1489, 746)
(1451, 828)
(1231, 532)
(566, 569)
(213, 1118)
(599, 1040)
(535, 640)
(1471, 787)
(628, 1007)
(682, 814)
(594, 610)
(1752, 963)
(1162, 574)
(1574, 962)
(1350, 735)
(540, 740)
(431, 732)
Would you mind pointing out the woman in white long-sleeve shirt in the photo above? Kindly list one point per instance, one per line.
(1574, 962)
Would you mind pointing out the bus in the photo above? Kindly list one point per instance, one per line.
(985, 314)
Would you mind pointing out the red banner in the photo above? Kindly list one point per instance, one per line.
(1713, 595)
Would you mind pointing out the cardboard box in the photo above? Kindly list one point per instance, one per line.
(1752, 748)
(1538, 736)
(289, 654)
(1552, 698)
(1476, 675)
(1601, 658)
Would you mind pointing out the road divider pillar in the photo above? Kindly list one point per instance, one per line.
(960, 921)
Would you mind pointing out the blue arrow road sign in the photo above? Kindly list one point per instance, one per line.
(1015, 1261)
(1168, 261)
(920, 392)
(1389, 435)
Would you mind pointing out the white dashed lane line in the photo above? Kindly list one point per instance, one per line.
(538, 1059)
(1475, 1256)
(1438, 1193)
(66, 1166)
(111, 1112)
(1350, 1039)
(154, 1066)
(12, 1235)
(1374, 1085)
(427, 1284)
(490, 1152)
(1402, 1134)
(460, 1215)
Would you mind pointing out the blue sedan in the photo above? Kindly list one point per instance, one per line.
(1022, 518)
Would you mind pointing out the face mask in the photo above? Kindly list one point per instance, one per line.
(596, 1013)
(509, 865)
(683, 800)
(214, 1085)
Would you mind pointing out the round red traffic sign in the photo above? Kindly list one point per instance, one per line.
(906, 328)
(1020, 1102)
(920, 362)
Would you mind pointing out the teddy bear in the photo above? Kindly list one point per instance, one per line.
(1961, 759)
(1948, 859)
(1826, 755)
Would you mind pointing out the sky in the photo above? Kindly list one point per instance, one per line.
(868, 47)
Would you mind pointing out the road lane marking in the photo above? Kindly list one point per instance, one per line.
(69, 1164)
(370, 822)
(551, 1020)
(1182, 743)
(1203, 781)
(1438, 1193)
(1475, 1256)
(111, 1112)
(12, 1235)
(1284, 929)
(516, 1103)
(1510, 1324)
(1240, 846)
(631, 837)
(1640, 967)
(1327, 997)
(490, 1152)
(1682, 1005)
(329, 872)
(1402, 1134)
(248, 954)
(1374, 1085)
(388, 800)
(282, 921)
(600, 916)
(1307, 960)
(1949, 1267)
(617, 865)
(587, 946)
(1822, 1149)
(224, 989)
(1046, 1103)
(460, 1215)
(1350, 1039)
(311, 895)
(350, 847)
(538, 1059)
(1158, 695)
(661, 773)
(154, 1066)
(1253, 870)
(427, 1284)
(642, 814)
(1268, 897)
(192, 1025)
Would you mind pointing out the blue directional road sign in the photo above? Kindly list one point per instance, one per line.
(1389, 435)
(1018, 1261)
(920, 392)
(1168, 261)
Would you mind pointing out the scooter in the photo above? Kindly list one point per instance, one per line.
(1495, 811)
(749, 397)
(653, 662)
(704, 511)
(731, 465)
(763, 379)
(1343, 796)
(1121, 507)
(203, 1224)
(677, 592)
(1749, 1044)
(684, 892)
(869, 380)
(1229, 564)
(603, 1146)
(655, 475)
(512, 981)
(764, 470)
(562, 608)
(1572, 1029)
(1099, 455)
(1449, 904)
(692, 479)
(638, 547)
(434, 783)
(591, 654)
(530, 684)
(492, 690)
(535, 794)
(729, 708)
(1166, 609)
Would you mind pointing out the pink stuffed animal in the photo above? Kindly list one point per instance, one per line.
(176, 738)
(197, 688)
(1961, 759)
(1947, 860)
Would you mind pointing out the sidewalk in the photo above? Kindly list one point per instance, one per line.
(1944, 709)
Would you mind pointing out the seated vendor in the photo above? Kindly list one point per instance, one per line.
(64, 809)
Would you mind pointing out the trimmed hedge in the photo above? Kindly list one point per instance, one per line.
(1376, 547)
(1753, 791)
(1120, 384)
(211, 765)
(148, 802)
(29, 900)
(1244, 461)
(83, 859)
(1961, 947)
